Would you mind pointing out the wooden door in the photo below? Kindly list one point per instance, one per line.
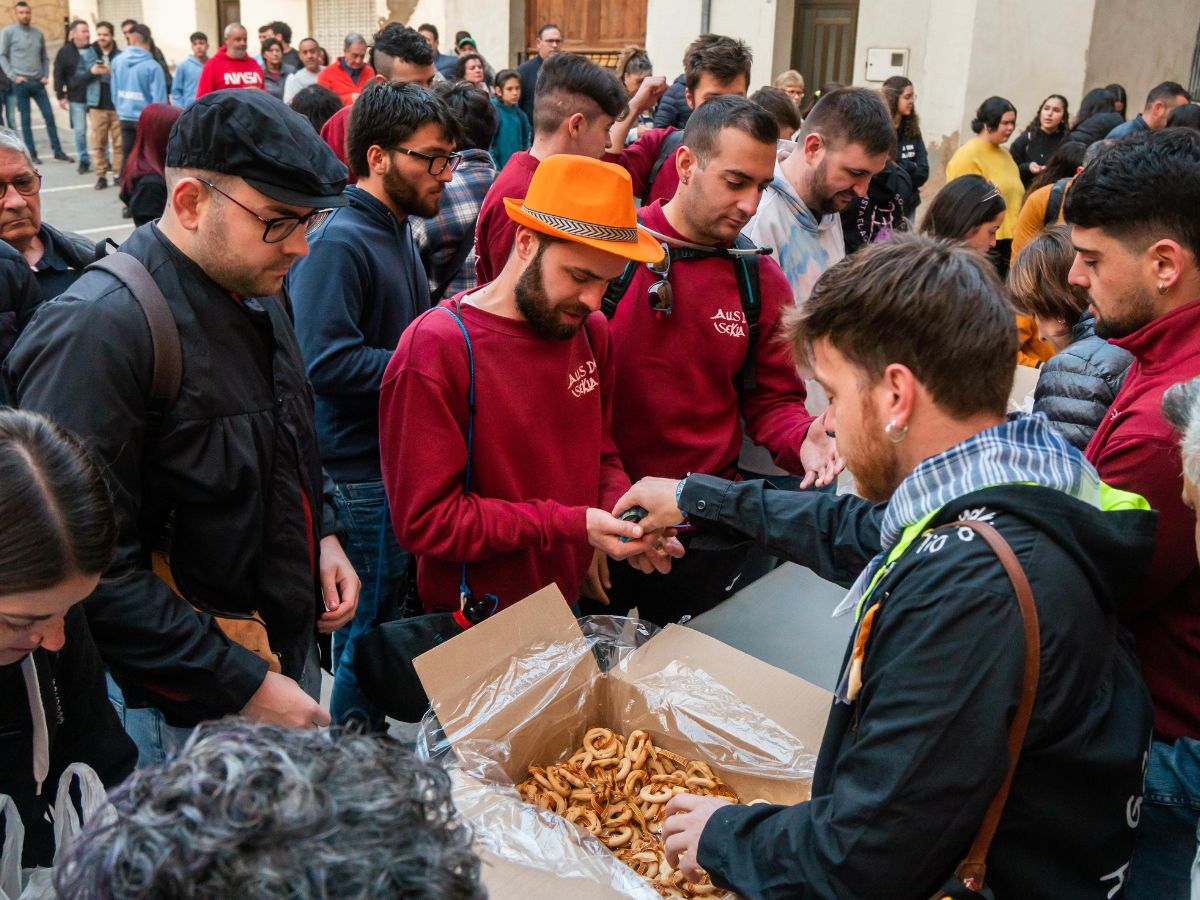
(597, 28)
(228, 12)
(823, 42)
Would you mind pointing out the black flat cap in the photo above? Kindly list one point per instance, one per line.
(250, 134)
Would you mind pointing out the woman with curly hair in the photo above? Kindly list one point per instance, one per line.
(911, 154)
(1041, 137)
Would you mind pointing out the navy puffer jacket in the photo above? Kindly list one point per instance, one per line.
(1080, 382)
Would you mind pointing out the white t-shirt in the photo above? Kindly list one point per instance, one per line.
(296, 82)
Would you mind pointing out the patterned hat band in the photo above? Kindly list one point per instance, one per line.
(585, 229)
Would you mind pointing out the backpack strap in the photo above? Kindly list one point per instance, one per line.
(616, 290)
(749, 281)
(164, 333)
(666, 150)
(1055, 201)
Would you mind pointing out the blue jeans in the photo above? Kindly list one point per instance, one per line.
(79, 119)
(1169, 829)
(382, 565)
(36, 91)
(156, 739)
(10, 110)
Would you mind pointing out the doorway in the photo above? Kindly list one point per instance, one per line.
(597, 29)
(823, 42)
(228, 12)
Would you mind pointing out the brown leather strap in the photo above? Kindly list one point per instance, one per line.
(164, 333)
(973, 869)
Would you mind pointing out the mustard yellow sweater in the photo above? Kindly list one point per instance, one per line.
(980, 157)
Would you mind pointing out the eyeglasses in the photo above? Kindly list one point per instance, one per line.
(26, 185)
(437, 164)
(280, 228)
(660, 294)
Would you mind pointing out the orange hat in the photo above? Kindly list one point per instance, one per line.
(587, 201)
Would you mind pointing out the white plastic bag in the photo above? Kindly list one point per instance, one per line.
(38, 884)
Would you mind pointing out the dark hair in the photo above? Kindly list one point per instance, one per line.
(143, 32)
(702, 133)
(325, 56)
(246, 809)
(724, 58)
(1118, 95)
(853, 116)
(432, 29)
(1096, 149)
(1064, 163)
(546, 27)
(460, 66)
(1145, 188)
(316, 103)
(1038, 280)
(55, 506)
(962, 205)
(910, 125)
(124, 22)
(282, 30)
(198, 36)
(20, 3)
(891, 302)
(75, 24)
(566, 77)
(269, 43)
(780, 106)
(633, 61)
(395, 41)
(104, 23)
(504, 75)
(387, 114)
(1185, 116)
(148, 155)
(472, 110)
(1095, 102)
(989, 114)
(1168, 90)
(1035, 123)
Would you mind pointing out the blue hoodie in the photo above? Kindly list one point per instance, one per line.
(187, 79)
(137, 81)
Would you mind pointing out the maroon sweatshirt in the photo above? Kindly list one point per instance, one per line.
(542, 454)
(495, 231)
(678, 407)
(638, 160)
(1136, 449)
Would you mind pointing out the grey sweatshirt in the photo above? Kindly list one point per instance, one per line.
(23, 52)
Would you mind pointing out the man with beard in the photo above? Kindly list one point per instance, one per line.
(360, 286)
(1137, 243)
(230, 67)
(495, 410)
(917, 742)
(693, 372)
(221, 504)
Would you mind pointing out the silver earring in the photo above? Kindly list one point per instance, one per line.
(895, 433)
(1162, 288)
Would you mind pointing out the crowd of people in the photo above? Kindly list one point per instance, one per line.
(400, 334)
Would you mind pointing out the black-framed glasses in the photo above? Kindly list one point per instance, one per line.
(660, 294)
(26, 185)
(437, 164)
(281, 227)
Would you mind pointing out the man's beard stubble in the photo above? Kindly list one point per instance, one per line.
(406, 198)
(873, 462)
(536, 307)
(1136, 313)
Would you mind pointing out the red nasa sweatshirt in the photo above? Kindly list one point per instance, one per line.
(542, 454)
(223, 72)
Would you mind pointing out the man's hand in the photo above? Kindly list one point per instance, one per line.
(648, 93)
(45, 80)
(62, 103)
(18, 79)
(339, 586)
(657, 497)
(98, 69)
(280, 701)
(605, 531)
(819, 453)
(666, 547)
(686, 816)
(596, 582)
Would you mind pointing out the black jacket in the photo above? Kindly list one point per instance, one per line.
(905, 773)
(1079, 383)
(360, 286)
(881, 213)
(528, 72)
(233, 467)
(1035, 146)
(64, 257)
(672, 107)
(1096, 128)
(19, 297)
(914, 159)
(68, 82)
(81, 726)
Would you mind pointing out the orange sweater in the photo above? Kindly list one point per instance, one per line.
(335, 77)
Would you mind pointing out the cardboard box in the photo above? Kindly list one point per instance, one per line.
(522, 688)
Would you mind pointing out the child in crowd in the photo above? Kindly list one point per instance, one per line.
(514, 132)
(1078, 383)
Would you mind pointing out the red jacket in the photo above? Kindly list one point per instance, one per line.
(638, 160)
(1136, 449)
(495, 231)
(335, 77)
(223, 72)
(542, 454)
(333, 133)
(678, 407)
